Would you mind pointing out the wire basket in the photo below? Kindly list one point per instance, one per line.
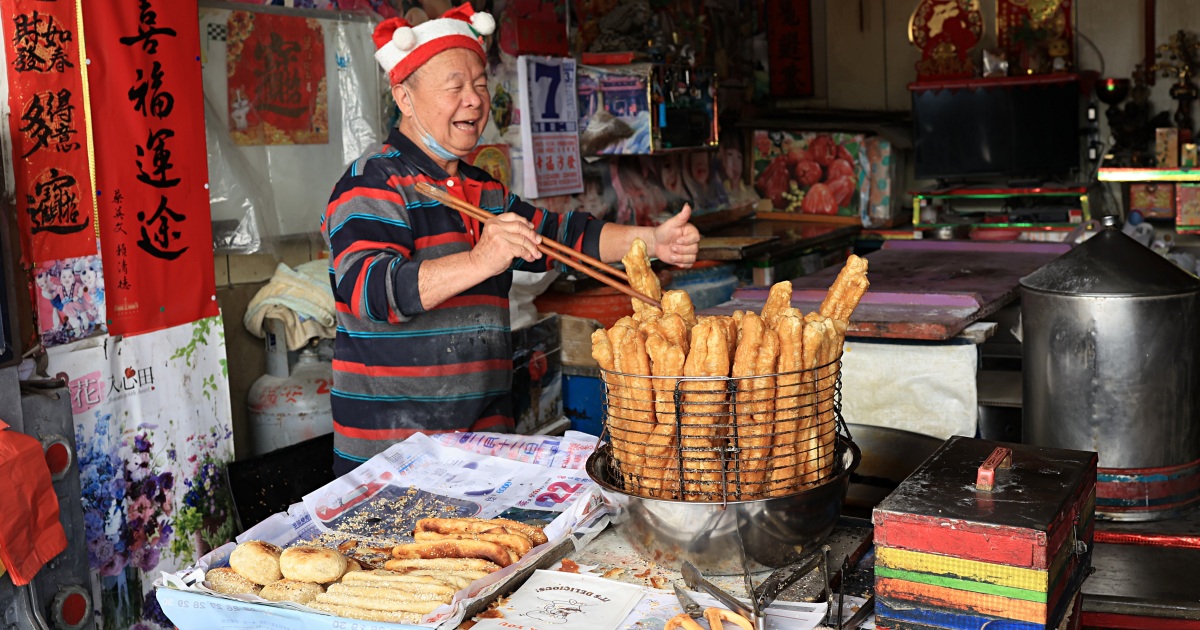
(718, 439)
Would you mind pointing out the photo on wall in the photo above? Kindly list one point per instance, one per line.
(69, 299)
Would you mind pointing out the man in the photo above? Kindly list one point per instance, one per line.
(422, 292)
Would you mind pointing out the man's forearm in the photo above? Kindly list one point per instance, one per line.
(615, 240)
(440, 279)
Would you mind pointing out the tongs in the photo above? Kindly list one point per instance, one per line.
(764, 595)
(548, 247)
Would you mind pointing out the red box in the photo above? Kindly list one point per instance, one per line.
(1187, 205)
(1153, 201)
(947, 551)
(534, 27)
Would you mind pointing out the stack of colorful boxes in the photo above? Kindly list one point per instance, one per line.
(986, 534)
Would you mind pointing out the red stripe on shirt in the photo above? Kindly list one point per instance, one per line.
(452, 369)
(383, 434)
(440, 239)
(360, 192)
(356, 297)
(491, 422)
(474, 300)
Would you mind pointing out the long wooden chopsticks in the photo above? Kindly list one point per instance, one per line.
(548, 247)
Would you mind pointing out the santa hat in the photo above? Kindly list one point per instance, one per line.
(402, 48)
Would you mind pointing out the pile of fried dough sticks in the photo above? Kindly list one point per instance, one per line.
(731, 407)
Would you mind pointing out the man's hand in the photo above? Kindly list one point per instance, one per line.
(505, 237)
(676, 241)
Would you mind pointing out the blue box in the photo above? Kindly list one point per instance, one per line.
(583, 399)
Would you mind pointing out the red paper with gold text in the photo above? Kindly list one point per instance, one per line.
(52, 184)
(151, 163)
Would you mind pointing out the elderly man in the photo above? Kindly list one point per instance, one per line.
(422, 292)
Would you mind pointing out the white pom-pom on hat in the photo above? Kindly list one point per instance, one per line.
(483, 23)
(404, 38)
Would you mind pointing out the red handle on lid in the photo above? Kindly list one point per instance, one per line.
(985, 479)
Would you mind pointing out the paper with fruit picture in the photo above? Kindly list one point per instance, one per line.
(811, 173)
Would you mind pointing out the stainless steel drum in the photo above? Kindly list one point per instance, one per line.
(1110, 344)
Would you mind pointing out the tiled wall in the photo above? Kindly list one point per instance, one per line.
(239, 277)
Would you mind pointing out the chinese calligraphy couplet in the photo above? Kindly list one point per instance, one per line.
(789, 46)
(53, 186)
(151, 165)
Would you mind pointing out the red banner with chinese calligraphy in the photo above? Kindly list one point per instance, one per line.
(53, 186)
(151, 163)
(789, 48)
(276, 79)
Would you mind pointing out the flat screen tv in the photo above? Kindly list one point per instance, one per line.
(1017, 131)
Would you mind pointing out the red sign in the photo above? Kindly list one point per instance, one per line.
(49, 130)
(151, 164)
(276, 79)
(789, 46)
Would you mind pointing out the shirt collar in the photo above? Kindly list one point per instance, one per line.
(415, 156)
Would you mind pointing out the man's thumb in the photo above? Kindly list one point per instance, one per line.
(683, 216)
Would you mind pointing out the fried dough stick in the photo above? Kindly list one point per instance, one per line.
(793, 387)
(843, 296)
(757, 355)
(662, 452)
(778, 299)
(636, 403)
(641, 276)
(704, 405)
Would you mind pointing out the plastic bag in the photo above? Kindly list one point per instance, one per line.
(243, 211)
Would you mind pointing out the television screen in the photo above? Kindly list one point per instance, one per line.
(1016, 131)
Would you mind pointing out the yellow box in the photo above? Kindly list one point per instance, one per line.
(1166, 147)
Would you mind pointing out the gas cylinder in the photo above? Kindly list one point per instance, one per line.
(289, 405)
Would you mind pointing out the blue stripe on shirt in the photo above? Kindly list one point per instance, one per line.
(433, 332)
(401, 398)
(367, 217)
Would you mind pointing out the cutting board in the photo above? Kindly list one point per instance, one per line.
(733, 247)
(921, 290)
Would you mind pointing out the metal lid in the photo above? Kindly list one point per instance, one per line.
(1111, 263)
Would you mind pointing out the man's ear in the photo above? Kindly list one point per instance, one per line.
(401, 96)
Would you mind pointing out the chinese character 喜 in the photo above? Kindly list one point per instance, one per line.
(148, 29)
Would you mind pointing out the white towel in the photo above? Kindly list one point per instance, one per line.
(301, 298)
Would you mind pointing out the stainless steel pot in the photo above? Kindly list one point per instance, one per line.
(1109, 344)
(775, 532)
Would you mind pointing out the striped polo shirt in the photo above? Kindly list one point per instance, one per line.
(399, 369)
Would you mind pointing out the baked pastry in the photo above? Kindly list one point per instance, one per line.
(226, 580)
(257, 561)
(286, 590)
(312, 564)
(367, 614)
(441, 564)
(454, 549)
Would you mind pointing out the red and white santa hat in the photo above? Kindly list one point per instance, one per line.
(402, 48)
